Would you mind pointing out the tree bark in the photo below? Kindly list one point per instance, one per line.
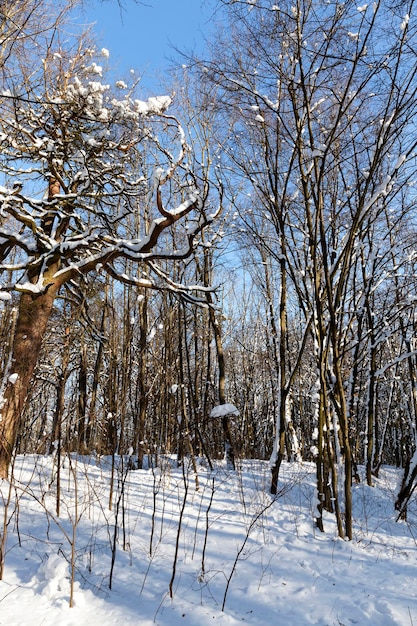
(82, 402)
(280, 366)
(228, 442)
(32, 320)
(142, 391)
(56, 429)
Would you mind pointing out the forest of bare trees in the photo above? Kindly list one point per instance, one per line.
(248, 241)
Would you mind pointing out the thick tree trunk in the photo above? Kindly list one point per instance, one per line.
(32, 320)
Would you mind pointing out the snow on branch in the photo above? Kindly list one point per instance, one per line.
(224, 410)
(87, 171)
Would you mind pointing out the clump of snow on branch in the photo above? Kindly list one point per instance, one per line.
(224, 410)
(90, 93)
(405, 21)
(156, 105)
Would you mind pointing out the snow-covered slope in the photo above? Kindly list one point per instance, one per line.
(226, 552)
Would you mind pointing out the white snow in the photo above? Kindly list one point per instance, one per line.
(96, 69)
(405, 21)
(223, 410)
(52, 577)
(155, 105)
(13, 378)
(158, 104)
(260, 560)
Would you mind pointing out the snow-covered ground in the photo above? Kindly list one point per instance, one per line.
(227, 551)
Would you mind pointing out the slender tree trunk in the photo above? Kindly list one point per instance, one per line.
(321, 477)
(408, 487)
(82, 401)
(344, 429)
(142, 385)
(33, 316)
(215, 326)
(91, 427)
(229, 448)
(409, 481)
(331, 459)
(371, 421)
(60, 395)
(281, 368)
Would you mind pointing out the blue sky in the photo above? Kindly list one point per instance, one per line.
(140, 37)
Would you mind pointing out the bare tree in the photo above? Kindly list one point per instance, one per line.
(320, 108)
(79, 161)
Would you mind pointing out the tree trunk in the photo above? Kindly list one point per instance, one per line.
(141, 385)
(228, 442)
(91, 428)
(344, 430)
(82, 402)
(229, 448)
(280, 366)
(33, 316)
(408, 486)
(56, 430)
